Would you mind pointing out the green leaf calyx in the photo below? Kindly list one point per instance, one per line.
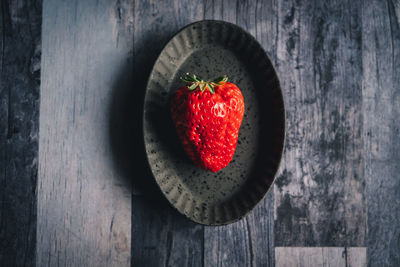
(194, 82)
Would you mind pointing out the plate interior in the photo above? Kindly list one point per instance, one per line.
(210, 49)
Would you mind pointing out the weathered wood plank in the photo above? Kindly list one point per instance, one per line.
(20, 35)
(161, 236)
(309, 257)
(250, 241)
(356, 257)
(319, 198)
(319, 194)
(320, 256)
(381, 109)
(84, 205)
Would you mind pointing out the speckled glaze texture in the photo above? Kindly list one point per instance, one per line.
(210, 49)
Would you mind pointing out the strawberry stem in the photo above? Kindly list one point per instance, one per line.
(194, 82)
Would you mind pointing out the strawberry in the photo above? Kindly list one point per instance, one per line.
(207, 118)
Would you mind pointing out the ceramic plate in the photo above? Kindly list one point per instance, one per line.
(211, 49)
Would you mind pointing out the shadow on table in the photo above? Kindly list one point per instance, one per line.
(126, 134)
(151, 212)
(126, 123)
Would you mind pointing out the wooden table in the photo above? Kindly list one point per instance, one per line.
(74, 186)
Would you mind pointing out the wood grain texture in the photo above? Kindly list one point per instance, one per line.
(319, 195)
(356, 257)
(248, 242)
(20, 46)
(381, 109)
(163, 237)
(84, 205)
(338, 63)
(320, 256)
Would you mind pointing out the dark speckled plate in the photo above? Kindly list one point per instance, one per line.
(210, 49)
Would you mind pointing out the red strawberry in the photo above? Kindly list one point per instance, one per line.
(207, 118)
